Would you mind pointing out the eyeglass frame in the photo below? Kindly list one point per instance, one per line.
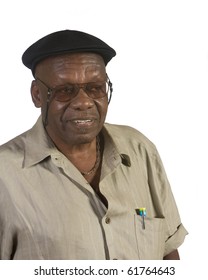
(80, 86)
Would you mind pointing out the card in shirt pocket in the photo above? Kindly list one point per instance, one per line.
(151, 239)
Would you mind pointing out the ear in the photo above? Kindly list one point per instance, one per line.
(36, 94)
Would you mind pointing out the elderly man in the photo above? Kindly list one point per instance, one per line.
(74, 187)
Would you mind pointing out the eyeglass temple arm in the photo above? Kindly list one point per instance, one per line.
(111, 89)
(47, 107)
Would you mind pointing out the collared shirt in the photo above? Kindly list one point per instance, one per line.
(49, 211)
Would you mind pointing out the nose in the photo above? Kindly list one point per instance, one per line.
(82, 101)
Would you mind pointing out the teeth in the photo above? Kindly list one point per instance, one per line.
(82, 121)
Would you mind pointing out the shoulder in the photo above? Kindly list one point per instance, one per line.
(136, 145)
(128, 135)
(14, 146)
(17, 144)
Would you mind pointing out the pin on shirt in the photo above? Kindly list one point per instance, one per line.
(142, 212)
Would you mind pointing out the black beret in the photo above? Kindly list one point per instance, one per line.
(62, 42)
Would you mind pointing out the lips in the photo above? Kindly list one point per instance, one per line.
(82, 121)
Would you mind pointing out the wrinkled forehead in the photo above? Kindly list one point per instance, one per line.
(72, 62)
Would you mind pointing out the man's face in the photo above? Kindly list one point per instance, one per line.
(79, 120)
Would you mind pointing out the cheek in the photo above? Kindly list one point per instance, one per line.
(103, 110)
(56, 109)
(102, 107)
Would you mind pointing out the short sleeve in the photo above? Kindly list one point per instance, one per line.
(165, 203)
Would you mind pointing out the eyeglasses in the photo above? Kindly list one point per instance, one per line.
(67, 92)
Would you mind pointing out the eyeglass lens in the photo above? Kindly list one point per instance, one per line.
(69, 91)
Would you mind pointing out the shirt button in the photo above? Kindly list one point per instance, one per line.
(107, 220)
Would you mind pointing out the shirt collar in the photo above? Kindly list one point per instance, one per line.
(38, 145)
(114, 153)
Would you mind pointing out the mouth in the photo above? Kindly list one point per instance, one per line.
(87, 123)
(82, 121)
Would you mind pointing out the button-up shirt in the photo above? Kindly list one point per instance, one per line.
(49, 211)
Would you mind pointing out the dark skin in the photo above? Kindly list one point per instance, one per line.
(172, 256)
(77, 141)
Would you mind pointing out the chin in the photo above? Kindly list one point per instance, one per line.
(82, 138)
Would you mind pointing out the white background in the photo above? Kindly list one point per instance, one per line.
(160, 77)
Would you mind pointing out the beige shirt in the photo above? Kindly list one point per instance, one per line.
(49, 211)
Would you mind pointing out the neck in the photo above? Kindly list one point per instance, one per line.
(82, 150)
(84, 156)
(97, 162)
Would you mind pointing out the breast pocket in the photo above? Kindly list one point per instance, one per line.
(151, 239)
